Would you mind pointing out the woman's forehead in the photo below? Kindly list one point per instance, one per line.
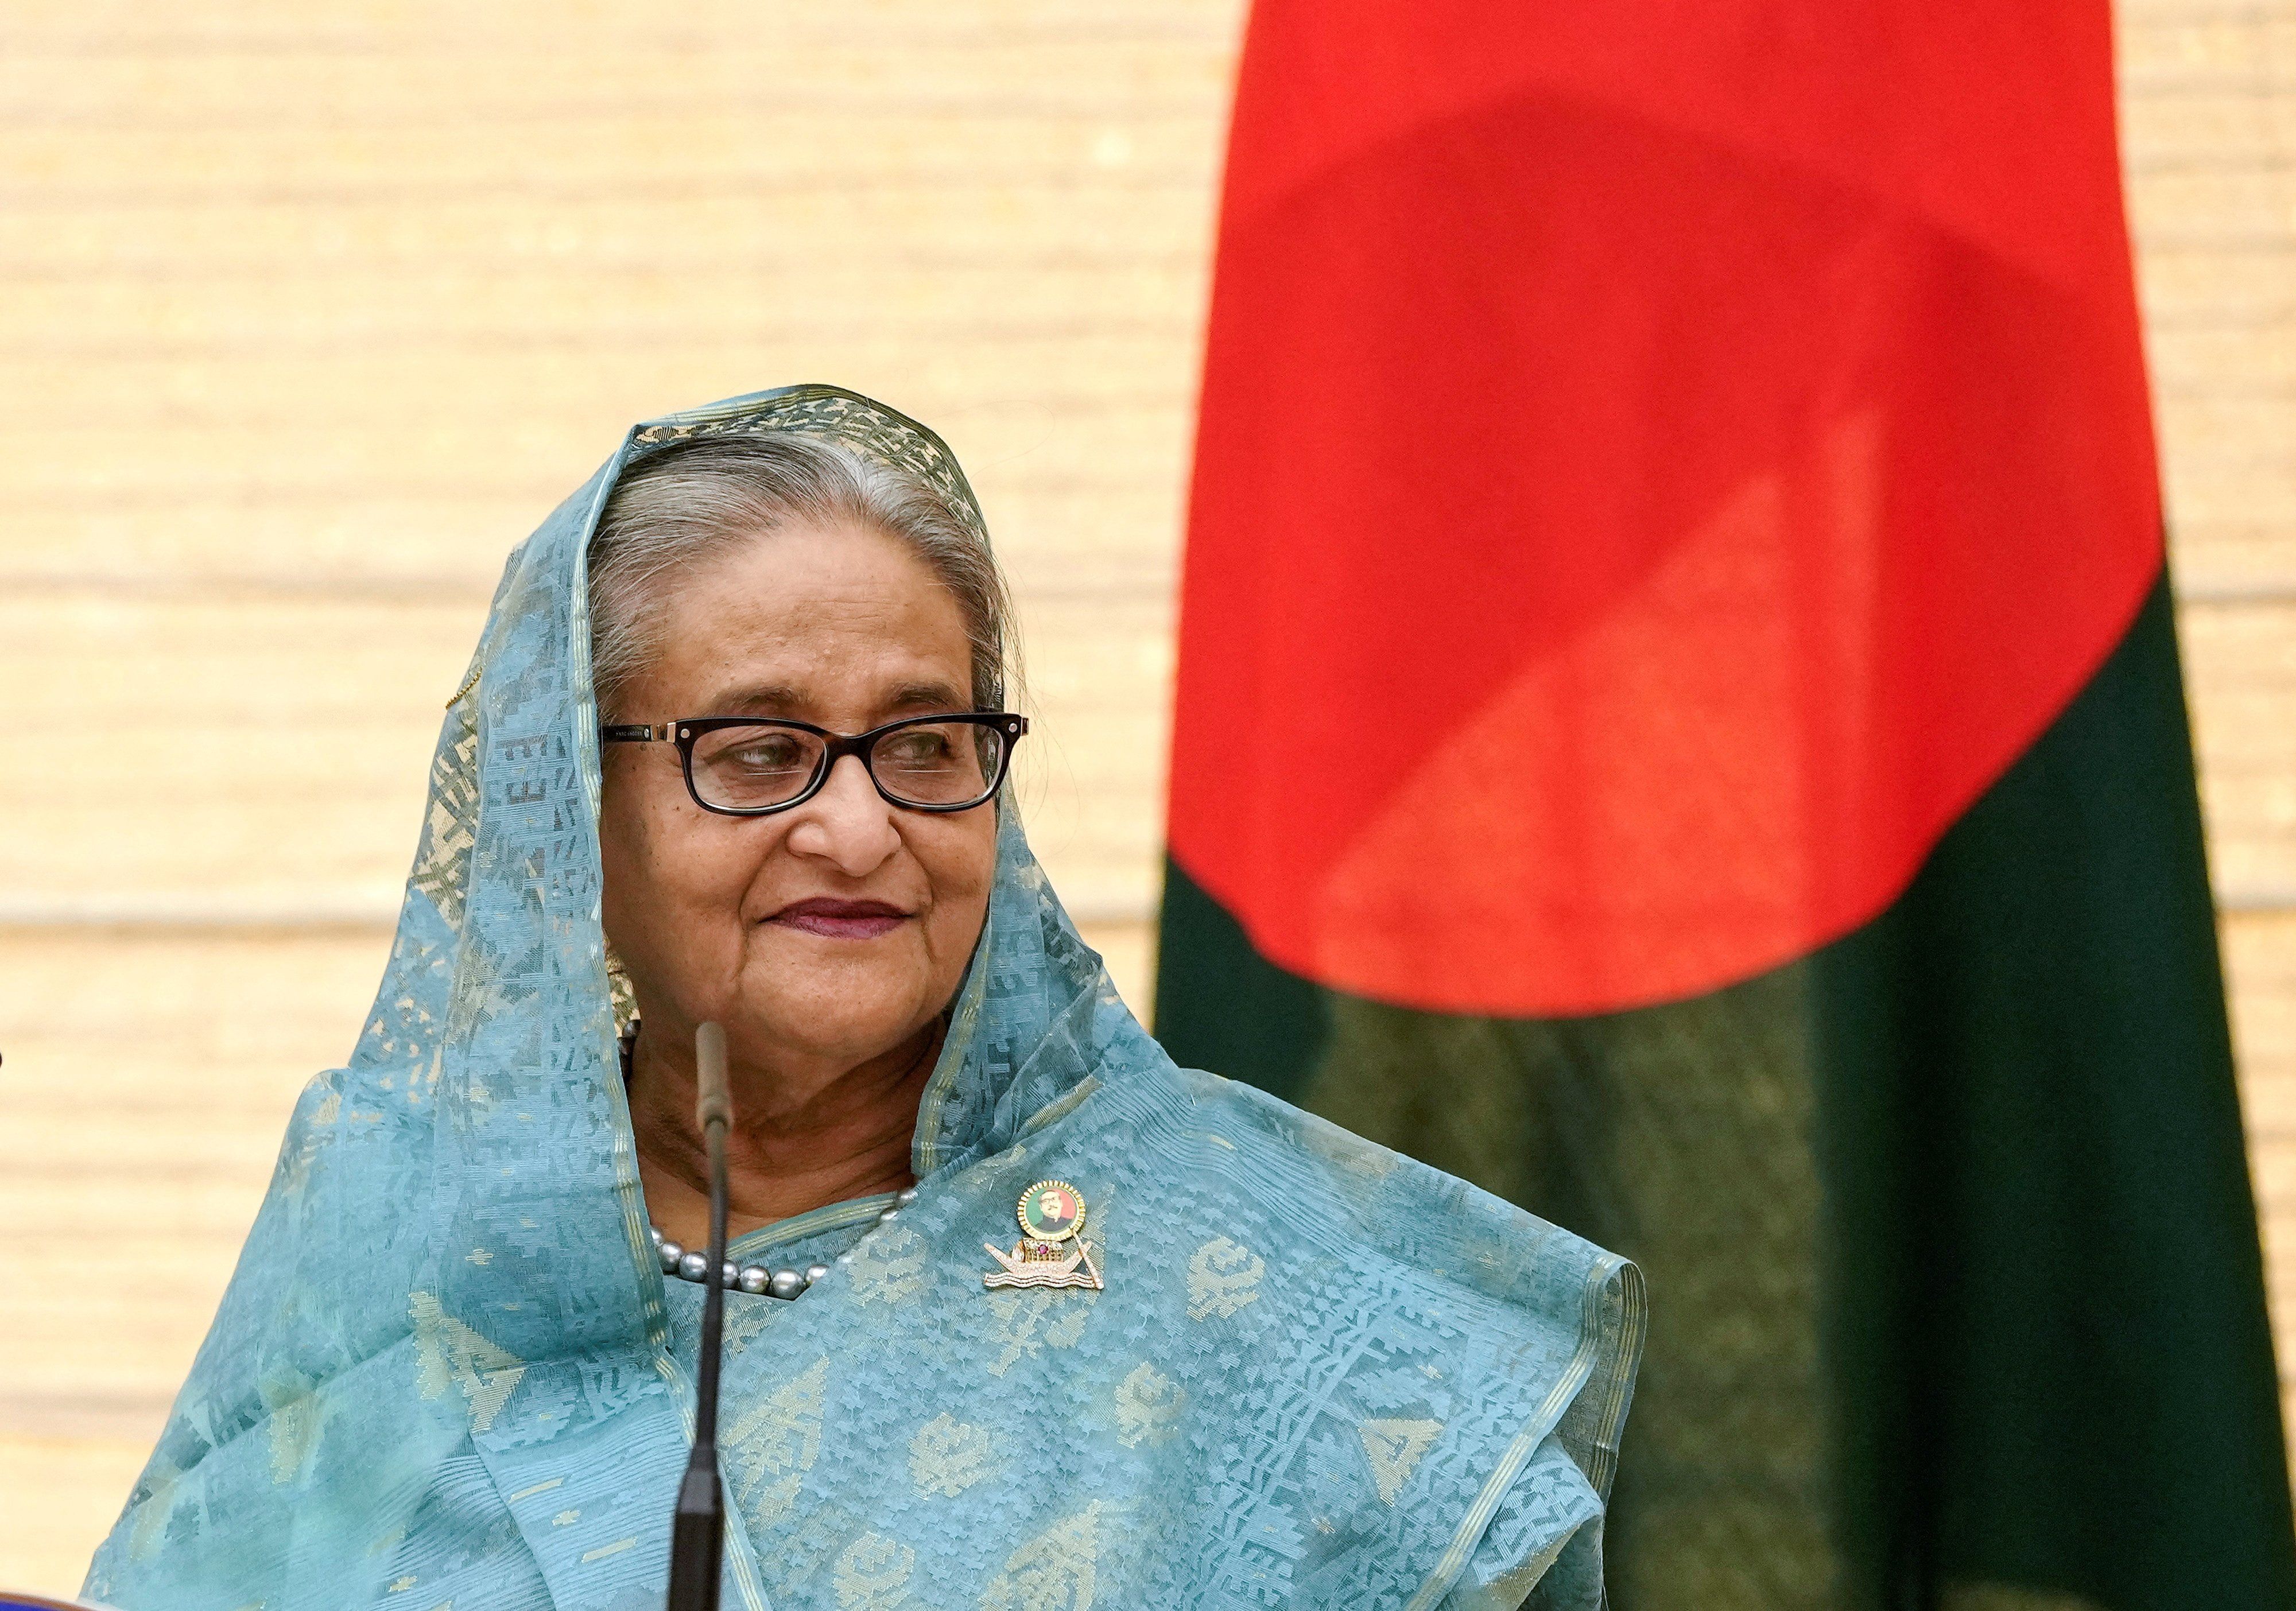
(801, 700)
(805, 621)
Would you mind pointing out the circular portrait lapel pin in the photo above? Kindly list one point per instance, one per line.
(1052, 1251)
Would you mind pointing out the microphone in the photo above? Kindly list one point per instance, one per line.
(697, 1535)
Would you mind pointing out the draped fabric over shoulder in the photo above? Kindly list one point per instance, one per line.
(447, 1372)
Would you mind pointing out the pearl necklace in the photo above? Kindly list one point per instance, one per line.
(784, 1283)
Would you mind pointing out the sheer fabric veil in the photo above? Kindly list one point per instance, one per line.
(444, 1374)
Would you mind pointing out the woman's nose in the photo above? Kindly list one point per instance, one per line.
(848, 822)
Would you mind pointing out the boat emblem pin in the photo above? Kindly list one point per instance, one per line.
(1052, 1251)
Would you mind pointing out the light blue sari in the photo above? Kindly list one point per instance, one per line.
(446, 1373)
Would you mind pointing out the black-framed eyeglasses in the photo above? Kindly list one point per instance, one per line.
(750, 766)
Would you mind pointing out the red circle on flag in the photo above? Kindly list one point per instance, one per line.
(1624, 539)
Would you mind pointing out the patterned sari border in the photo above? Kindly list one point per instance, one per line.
(739, 1555)
(1634, 1321)
(627, 1187)
(813, 1222)
(1592, 1330)
(924, 1156)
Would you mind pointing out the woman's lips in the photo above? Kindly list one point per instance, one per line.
(840, 920)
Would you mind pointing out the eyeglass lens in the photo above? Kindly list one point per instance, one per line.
(933, 764)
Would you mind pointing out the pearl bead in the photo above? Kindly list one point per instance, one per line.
(815, 1272)
(907, 1195)
(846, 1260)
(888, 1216)
(694, 1266)
(671, 1254)
(786, 1284)
(655, 1232)
(753, 1280)
(733, 1275)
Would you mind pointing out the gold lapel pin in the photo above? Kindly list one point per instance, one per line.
(1052, 1251)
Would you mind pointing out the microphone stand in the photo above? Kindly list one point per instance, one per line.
(697, 1536)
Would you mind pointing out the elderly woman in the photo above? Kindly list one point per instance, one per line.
(1025, 1317)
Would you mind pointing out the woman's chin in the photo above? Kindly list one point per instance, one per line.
(848, 1012)
(846, 1044)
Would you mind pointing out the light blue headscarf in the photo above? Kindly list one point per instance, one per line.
(446, 1373)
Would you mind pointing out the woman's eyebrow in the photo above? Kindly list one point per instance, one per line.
(769, 696)
(925, 695)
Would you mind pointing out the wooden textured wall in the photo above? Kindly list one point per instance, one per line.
(309, 312)
(2209, 142)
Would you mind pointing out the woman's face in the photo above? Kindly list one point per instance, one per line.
(831, 932)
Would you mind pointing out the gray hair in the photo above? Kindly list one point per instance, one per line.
(700, 499)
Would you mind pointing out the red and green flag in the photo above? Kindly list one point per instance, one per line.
(1679, 722)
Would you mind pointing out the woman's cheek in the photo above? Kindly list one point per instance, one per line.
(961, 868)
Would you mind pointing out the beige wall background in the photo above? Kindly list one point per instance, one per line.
(308, 312)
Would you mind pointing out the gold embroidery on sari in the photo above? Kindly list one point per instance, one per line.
(889, 1267)
(1148, 1405)
(1061, 1106)
(1222, 1277)
(947, 1456)
(447, 1351)
(1021, 1323)
(872, 1574)
(1344, 1149)
(743, 1324)
(1058, 1570)
(776, 1444)
(1395, 1449)
(152, 1517)
(442, 862)
(294, 1417)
